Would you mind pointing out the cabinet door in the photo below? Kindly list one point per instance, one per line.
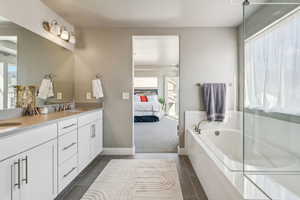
(84, 147)
(39, 172)
(10, 184)
(99, 137)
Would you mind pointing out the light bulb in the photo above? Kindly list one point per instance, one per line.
(65, 35)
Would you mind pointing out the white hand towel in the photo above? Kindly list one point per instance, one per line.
(97, 89)
(51, 90)
(46, 89)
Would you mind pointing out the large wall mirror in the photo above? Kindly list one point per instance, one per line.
(26, 59)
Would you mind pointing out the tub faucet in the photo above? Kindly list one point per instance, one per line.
(197, 128)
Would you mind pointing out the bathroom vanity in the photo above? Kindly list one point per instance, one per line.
(42, 155)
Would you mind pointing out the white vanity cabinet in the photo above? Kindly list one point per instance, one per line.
(39, 172)
(9, 178)
(38, 163)
(30, 173)
(90, 138)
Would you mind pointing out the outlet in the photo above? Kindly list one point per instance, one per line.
(88, 96)
(59, 96)
(125, 95)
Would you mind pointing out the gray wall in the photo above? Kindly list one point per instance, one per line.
(206, 55)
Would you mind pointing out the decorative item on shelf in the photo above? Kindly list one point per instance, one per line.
(65, 35)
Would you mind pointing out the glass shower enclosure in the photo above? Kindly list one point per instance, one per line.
(271, 97)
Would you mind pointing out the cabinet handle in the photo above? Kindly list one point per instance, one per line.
(93, 131)
(26, 169)
(18, 164)
(67, 174)
(69, 126)
(69, 146)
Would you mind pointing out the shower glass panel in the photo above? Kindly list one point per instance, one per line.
(271, 103)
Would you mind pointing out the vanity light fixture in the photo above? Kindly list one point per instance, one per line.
(55, 28)
(59, 31)
(72, 39)
(65, 35)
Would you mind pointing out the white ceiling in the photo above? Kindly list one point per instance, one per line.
(149, 13)
(156, 51)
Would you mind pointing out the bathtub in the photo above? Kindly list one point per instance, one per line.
(227, 145)
(217, 157)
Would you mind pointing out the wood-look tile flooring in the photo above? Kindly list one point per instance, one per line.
(191, 187)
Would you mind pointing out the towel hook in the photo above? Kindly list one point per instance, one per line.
(50, 76)
(98, 76)
(229, 84)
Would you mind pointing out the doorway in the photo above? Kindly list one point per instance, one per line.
(156, 93)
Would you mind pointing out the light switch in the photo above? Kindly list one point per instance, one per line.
(59, 96)
(125, 95)
(88, 96)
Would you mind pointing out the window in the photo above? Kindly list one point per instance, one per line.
(11, 82)
(1, 85)
(8, 79)
(272, 68)
(146, 82)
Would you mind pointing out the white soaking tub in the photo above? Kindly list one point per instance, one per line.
(217, 157)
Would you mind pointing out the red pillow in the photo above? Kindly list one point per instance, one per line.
(144, 98)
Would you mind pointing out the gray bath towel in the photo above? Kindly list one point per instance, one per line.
(214, 95)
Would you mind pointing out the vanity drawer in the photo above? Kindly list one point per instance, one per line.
(67, 172)
(88, 118)
(67, 146)
(67, 125)
(20, 142)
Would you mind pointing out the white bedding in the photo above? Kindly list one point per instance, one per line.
(147, 107)
(140, 113)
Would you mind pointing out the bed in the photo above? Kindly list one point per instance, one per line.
(149, 110)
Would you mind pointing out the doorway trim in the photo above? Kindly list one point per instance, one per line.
(180, 151)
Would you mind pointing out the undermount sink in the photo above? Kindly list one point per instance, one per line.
(2, 124)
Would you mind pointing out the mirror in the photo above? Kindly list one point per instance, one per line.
(25, 60)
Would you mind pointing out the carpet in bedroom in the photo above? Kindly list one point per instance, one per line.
(157, 137)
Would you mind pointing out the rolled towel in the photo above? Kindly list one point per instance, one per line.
(97, 89)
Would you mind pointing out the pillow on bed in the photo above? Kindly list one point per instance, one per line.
(144, 98)
(153, 98)
(137, 98)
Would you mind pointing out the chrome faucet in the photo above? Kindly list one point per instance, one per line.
(197, 128)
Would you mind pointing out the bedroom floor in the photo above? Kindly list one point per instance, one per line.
(156, 137)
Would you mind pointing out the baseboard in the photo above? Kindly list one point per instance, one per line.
(181, 151)
(118, 151)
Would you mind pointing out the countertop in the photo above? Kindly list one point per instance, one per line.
(28, 122)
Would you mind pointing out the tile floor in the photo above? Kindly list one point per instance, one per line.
(191, 187)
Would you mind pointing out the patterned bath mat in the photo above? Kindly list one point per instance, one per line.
(136, 180)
